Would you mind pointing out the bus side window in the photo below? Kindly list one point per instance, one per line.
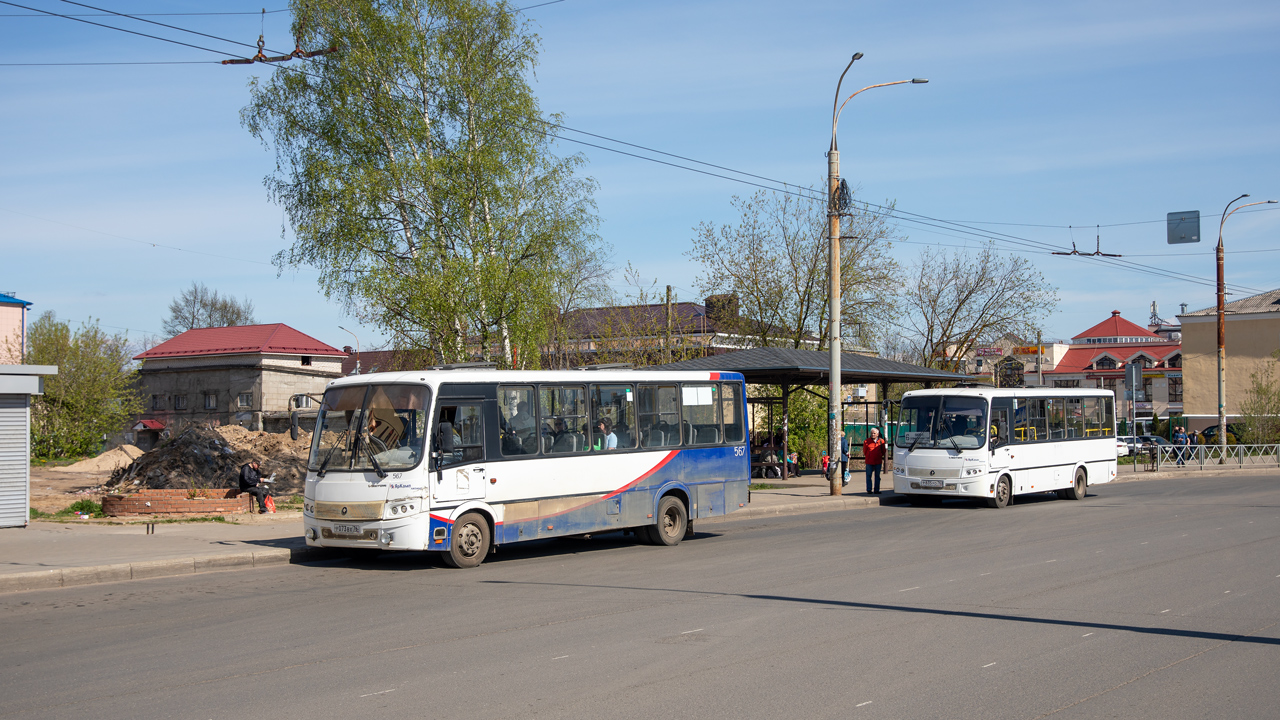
(731, 409)
(1023, 430)
(1075, 418)
(701, 422)
(517, 411)
(1108, 416)
(658, 415)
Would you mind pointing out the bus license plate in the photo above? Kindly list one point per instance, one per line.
(346, 530)
(923, 483)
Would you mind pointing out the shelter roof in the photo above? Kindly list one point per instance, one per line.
(778, 366)
(274, 339)
(7, 299)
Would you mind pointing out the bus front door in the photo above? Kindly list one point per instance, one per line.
(1001, 426)
(460, 474)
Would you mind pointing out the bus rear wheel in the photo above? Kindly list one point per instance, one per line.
(671, 523)
(469, 543)
(1081, 486)
(1004, 491)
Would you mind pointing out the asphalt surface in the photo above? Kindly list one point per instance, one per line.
(1146, 600)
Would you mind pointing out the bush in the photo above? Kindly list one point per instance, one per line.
(83, 507)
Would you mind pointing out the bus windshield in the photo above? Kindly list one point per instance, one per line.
(365, 427)
(933, 421)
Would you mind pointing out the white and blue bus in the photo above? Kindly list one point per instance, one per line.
(458, 461)
(994, 443)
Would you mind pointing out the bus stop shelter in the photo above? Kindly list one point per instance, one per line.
(794, 370)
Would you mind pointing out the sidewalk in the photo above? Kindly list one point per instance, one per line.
(54, 554)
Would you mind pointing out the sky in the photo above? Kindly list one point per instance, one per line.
(120, 185)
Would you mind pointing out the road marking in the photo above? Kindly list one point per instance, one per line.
(988, 665)
(686, 632)
(1086, 635)
(911, 588)
(381, 692)
(861, 704)
(1142, 543)
(1225, 592)
(990, 573)
(1165, 611)
(560, 658)
(1049, 561)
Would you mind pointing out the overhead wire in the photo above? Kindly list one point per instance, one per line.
(164, 25)
(112, 27)
(174, 14)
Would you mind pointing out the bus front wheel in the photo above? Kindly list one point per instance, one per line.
(1004, 491)
(470, 542)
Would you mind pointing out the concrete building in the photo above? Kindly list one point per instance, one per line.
(1018, 360)
(241, 375)
(1097, 356)
(1252, 335)
(13, 329)
(17, 384)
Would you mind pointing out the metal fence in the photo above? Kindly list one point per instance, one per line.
(1172, 457)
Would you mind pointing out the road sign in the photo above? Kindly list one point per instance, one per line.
(1184, 227)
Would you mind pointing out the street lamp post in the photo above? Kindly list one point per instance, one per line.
(1222, 311)
(833, 235)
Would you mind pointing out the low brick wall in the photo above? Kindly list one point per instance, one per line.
(178, 502)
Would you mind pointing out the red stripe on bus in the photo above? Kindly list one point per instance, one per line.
(643, 477)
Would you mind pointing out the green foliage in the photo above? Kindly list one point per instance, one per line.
(35, 514)
(93, 395)
(764, 486)
(807, 422)
(83, 507)
(1260, 411)
(416, 170)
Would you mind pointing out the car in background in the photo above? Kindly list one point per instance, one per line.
(1149, 440)
(1210, 433)
(1122, 448)
(1131, 443)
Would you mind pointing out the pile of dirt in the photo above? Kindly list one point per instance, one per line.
(211, 457)
(107, 461)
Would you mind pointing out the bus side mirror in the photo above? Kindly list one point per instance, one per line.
(293, 425)
(444, 440)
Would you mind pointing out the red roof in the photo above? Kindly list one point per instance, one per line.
(1079, 357)
(149, 425)
(274, 339)
(1116, 326)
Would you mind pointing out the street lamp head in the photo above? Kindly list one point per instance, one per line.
(918, 81)
(856, 57)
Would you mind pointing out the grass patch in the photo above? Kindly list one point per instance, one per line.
(38, 515)
(293, 502)
(81, 507)
(765, 486)
(170, 521)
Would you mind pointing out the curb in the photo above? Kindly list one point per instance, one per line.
(95, 574)
(801, 508)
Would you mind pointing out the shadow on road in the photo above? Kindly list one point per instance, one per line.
(1169, 632)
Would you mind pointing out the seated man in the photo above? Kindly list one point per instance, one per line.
(249, 483)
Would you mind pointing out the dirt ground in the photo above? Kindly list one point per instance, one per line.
(53, 489)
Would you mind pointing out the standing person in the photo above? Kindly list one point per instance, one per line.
(873, 449)
(1180, 442)
(250, 480)
(844, 460)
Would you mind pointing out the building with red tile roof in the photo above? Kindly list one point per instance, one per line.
(1096, 359)
(244, 375)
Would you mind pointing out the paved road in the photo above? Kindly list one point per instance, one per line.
(1147, 600)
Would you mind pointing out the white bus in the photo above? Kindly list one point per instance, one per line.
(996, 443)
(458, 461)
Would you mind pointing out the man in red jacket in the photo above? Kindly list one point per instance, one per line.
(873, 455)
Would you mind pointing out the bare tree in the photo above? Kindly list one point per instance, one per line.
(199, 307)
(952, 301)
(775, 260)
(581, 281)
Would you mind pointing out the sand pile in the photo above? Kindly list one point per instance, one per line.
(204, 457)
(107, 461)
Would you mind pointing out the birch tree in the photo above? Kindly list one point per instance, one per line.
(417, 174)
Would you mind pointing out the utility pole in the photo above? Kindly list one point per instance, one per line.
(1039, 360)
(666, 342)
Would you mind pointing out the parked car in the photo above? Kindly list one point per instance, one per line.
(1122, 448)
(1211, 434)
(1153, 440)
(1131, 442)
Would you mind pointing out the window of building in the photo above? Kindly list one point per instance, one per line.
(210, 401)
(179, 402)
(1066, 383)
(1146, 389)
(1105, 363)
(1175, 389)
(306, 359)
(157, 402)
(244, 400)
(1174, 362)
(1110, 383)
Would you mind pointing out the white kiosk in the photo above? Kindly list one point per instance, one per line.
(17, 384)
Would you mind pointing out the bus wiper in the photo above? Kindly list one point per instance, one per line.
(954, 444)
(377, 467)
(324, 465)
(912, 446)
